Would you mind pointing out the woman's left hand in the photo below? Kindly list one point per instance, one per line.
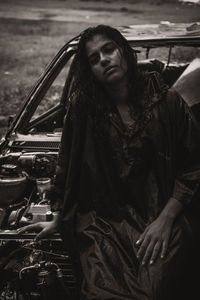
(154, 240)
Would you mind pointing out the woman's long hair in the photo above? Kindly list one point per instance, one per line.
(89, 92)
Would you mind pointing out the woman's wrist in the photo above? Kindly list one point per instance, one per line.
(172, 210)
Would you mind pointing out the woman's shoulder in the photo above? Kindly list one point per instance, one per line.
(158, 89)
(155, 84)
(174, 100)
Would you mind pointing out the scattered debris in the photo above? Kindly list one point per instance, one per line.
(193, 29)
(194, 26)
(164, 28)
(190, 1)
(3, 121)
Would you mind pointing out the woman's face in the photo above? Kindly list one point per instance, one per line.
(106, 60)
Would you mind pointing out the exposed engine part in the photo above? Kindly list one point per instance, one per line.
(37, 164)
(12, 214)
(13, 183)
(37, 213)
(8, 293)
(24, 179)
(9, 170)
(31, 270)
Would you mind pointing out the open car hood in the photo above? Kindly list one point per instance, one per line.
(147, 36)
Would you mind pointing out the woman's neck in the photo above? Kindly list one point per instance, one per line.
(119, 92)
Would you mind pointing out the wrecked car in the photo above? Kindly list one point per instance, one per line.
(30, 148)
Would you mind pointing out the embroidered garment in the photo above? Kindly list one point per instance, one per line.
(110, 187)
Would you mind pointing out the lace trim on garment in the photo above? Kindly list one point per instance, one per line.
(128, 145)
(153, 95)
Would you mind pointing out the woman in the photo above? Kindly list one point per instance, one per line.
(126, 173)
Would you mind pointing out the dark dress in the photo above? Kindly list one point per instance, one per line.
(110, 186)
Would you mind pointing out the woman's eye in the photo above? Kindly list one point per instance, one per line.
(109, 49)
(94, 59)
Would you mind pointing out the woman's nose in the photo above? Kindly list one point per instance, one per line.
(104, 59)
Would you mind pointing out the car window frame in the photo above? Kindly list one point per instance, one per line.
(20, 124)
(21, 121)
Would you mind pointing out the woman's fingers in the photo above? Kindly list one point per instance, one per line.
(30, 227)
(141, 238)
(41, 234)
(143, 247)
(164, 247)
(48, 230)
(153, 241)
(148, 253)
(151, 251)
(155, 253)
(35, 227)
(45, 229)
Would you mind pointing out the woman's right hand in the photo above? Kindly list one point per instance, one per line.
(45, 228)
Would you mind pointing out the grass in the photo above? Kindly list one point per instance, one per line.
(26, 46)
(30, 45)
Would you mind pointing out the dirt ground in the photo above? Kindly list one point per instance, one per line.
(33, 31)
(113, 12)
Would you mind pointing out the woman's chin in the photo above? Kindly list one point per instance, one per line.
(113, 78)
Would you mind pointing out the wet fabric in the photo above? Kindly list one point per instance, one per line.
(111, 269)
(111, 186)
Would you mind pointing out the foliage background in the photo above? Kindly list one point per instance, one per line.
(33, 31)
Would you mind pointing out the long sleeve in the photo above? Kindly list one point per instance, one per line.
(57, 192)
(69, 158)
(188, 159)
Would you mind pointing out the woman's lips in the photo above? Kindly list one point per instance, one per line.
(109, 69)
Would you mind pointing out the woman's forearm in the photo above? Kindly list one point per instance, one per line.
(172, 210)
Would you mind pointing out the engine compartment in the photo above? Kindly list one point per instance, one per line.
(29, 269)
(20, 187)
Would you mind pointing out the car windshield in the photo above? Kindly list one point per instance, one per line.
(50, 109)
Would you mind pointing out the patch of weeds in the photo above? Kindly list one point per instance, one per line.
(11, 100)
(32, 28)
(3, 131)
(48, 16)
(185, 54)
(159, 2)
(135, 1)
(104, 1)
(50, 100)
(6, 58)
(124, 8)
(170, 1)
(130, 10)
